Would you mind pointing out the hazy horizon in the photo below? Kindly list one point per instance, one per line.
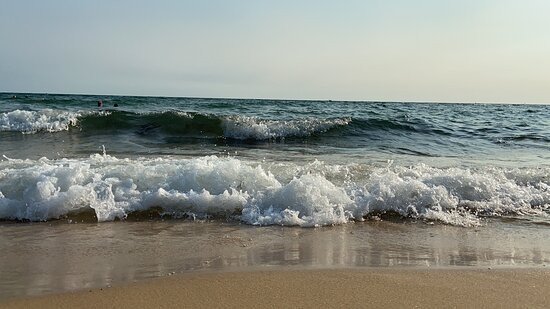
(258, 98)
(427, 51)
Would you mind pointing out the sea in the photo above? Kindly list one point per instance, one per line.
(368, 183)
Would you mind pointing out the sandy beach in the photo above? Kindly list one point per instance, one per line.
(375, 288)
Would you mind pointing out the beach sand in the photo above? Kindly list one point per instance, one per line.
(215, 262)
(374, 288)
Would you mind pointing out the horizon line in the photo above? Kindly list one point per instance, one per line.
(278, 99)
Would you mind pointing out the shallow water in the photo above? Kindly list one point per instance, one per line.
(40, 258)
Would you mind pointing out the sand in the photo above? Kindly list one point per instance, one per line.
(370, 264)
(374, 288)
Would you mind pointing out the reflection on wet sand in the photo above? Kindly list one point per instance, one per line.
(54, 257)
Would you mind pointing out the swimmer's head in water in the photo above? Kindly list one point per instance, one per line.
(99, 103)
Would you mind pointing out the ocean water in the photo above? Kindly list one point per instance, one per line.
(91, 196)
(272, 162)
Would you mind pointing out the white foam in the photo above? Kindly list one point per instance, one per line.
(310, 200)
(454, 195)
(315, 195)
(242, 127)
(48, 120)
(44, 189)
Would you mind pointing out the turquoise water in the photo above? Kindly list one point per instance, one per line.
(305, 163)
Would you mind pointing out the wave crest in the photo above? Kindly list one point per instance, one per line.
(46, 120)
(241, 127)
(171, 122)
(315, 195)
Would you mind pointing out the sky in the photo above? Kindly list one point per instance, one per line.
(374, 50)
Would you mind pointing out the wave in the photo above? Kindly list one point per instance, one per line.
(314, 194)
(241, 127)
(47, 120)
(172, 122)
(523, 137)
(236, 127)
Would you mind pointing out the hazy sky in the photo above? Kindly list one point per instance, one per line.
(417, 50)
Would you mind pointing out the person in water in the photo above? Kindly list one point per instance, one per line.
(99, 103)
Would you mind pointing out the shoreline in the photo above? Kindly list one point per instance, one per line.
(115, 254)
(348, 287)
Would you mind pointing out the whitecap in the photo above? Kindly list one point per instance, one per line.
(47, 120)
(243, 127)
(316, 194)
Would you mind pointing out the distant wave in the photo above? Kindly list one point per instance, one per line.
(240, 127)
(237, 127)
(523, 137)
(46, 120)
(314, 194)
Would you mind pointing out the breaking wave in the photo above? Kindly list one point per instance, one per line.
(172, 122)
(240, 127)
(314, 194)
(195, 124)
(46, 120)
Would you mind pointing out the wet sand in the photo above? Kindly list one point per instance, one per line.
(374, 288)
(56, 257)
